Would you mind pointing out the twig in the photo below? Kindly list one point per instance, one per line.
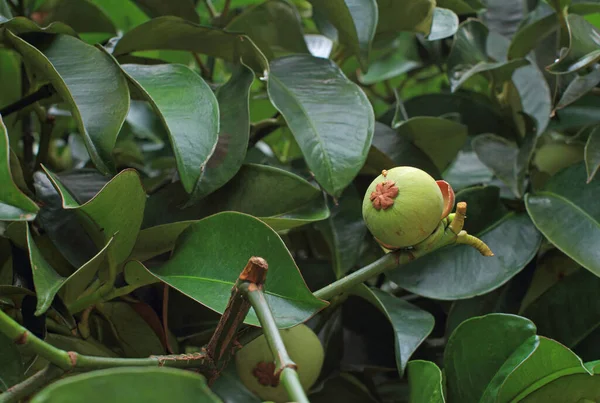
(32, 384)
(226, 7)
(204, 72)
(44, 92)
(262, 129)
(219, 347)
(285, 368)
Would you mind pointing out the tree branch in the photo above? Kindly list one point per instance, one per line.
(32, 384)
(44, 92)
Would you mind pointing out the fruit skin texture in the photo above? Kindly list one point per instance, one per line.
(416, 210)
(303, 347)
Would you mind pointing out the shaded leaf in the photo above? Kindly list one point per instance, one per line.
(11, 363)
(129, 384)
(211, 254)
(14, 205)
(528, 37)
(584, 46)
(187, 108)
(81, 15)
(488, 220)
(79, 73)
(355, 21)
(411, 324)
(178, 8)
(461, 7)
(425, 380)
(535, 95)
(319, 125)
(579, 86)
(478, 349)
(567, 199)
(173, 33)
(401, 59)
(410, 15)
(503, 16)
(592, 154)
(467, 170)
(274, 26)
(234, 127)
(117, 210)
(344, 387)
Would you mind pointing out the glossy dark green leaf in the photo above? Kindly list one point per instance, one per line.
(11, 363)
(123, 13)
(79, 73)
(173, 33)
(14, 205)
(403, 58)
(478, 350)
(178, 8)
(584, 46)
(188, 109)
(355, 21)
(444, 24)
(334, 143)
(470, 56)
(136, 274)
(579, 86)
(465, 272)
(117, 210)
(10, 76)
(500, 155)
(230, 388)
(503, 16)
(592, 154)
(123, 385)
(441, 139)
(211, 254)
(410, 15)
(157, 240)
(399, 150)
(229, 154)
(81, 15)
(425, 381)
(411, 324)
(552, 311)
(581, 113)
(535, 95)
(528, 37)
(274, 26)
(467, 170)
(565, 200)
(21, 25)
(549, 362)
(345, 231)
(577, 388)
(135, 336)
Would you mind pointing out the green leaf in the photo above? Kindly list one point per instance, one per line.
(490, 221)
(440, 139)
(559, 5)
(409, 15)
(579, 86)
(5, 13)
(344, 388)
(500, 155)
(211, 254)
(177, 8)
(425, 382)
(157, 240)
(393, 150)
(567, 199)
(528, 37)
(81, 15)
(20, 25)
(123, 13)
(503, 16)
(592, 154)
(577, 388)
(135, 336)
(79, 73)
(535, 96)
(117, 210)
(137, 274)
(401, 59)
(461, 7)
(274, 26)
(11, 363)
(444, 24)
(124, 385)
(584, 47)
(345, 231)
(188, 110)
(581, 113)
(14, 205)
(334, 143)
(470, 56)
(411, 324)
(10, 76)
(230, 388)
(478, 349)
(553, 310)
(229, 154)
(173, 33)
(355, 21)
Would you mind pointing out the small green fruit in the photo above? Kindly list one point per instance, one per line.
(255, 365)
(403, 206)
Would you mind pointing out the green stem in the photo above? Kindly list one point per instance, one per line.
(32, 384)
(284, 366)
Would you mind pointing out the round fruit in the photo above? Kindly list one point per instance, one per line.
(553, 157)
(402, 207)
(255, 364)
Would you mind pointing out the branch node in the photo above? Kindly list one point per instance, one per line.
(255, 270)
(22, 339)
(73, 357)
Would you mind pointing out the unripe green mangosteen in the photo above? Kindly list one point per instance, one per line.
(553, 157)
(256, 367)
(404, 205)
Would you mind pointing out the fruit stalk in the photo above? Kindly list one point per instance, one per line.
(285, 368)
